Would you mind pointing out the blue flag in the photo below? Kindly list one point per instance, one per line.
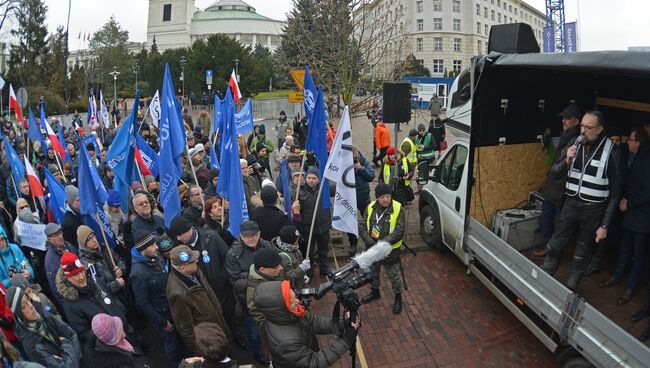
(231, 186)
(284, 176)
(244, 118)
(310, 96)
(34, 131)
(149, 156)
(121, 154)
(218, 116)
(214, 161)
(91, 187)
(171, 148)
(317, 143)
(228, 113)
(92, 196)
(56, 203)
(17, 166)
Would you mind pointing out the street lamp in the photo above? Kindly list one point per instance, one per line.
(136, 69)
(183, 62)
(114, 73)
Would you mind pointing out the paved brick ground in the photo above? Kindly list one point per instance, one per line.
(449, 320)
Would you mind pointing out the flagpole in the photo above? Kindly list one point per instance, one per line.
(137, 166)
(313, 219)
(196, 181)
(56, 155)
(302, 165)
(108, 248)
(14, 183)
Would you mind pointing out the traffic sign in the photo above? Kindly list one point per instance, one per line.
(208, 77)
(295, 97)
(298, 76)
(21, 96)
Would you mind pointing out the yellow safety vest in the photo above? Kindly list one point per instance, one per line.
(393, 219)
(405, 166)
(412, 156)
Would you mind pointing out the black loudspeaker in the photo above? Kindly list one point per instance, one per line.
(397, 102)
(514, 38)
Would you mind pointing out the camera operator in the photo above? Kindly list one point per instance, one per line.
(384, 220)
(291, 330)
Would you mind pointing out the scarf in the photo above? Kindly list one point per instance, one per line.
(286, 247)
(285, 287)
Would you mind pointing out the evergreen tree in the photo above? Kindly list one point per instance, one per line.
(110, 45)
(29, 53)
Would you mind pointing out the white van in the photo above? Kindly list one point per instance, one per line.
(497, 113)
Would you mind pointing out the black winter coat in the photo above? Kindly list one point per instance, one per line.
(637, 193)
(70, 224)
(193, 213)
(212, 263)
(307, 201)
(41, 350)
(553, 188)
(270, 219)
(148, 282)
(105, 356)
(80, 306)
(102, 263)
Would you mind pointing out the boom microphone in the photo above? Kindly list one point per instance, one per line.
(376, 253)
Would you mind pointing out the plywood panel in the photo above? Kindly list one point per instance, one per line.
(503, 177)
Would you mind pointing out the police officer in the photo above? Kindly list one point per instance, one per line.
(593, 190)
(384, 220)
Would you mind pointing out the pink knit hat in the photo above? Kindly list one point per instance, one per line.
(110, 331)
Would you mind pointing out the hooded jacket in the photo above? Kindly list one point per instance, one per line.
(81, 305)
(292, 340)
(291, 258)
(52, 265)
(382, 136)
(12, 258)
(148, 281)
(42, 350)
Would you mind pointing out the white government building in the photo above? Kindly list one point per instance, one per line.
(178, 23)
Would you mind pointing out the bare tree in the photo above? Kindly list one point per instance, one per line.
(7, 10)
(348, 43)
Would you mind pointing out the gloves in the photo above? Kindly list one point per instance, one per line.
(350, 335)
(305, 264)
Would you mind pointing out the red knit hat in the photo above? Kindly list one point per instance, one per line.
(390, 150)
(71, 264)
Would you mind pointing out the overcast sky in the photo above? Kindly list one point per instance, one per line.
(604, 24)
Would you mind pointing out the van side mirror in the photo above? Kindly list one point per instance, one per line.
(427, 172)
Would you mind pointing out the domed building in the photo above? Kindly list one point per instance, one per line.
(178, 23)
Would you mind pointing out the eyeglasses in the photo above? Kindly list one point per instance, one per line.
(142, 204)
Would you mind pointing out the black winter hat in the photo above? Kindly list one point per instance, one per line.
(179, 226)
(269, 195)
(143, 239)
(382, 189)
(289, 234)
(249, 227)
(266, 257)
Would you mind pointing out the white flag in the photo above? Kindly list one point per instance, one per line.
(340, 169)
(154, 109)
(104, 111)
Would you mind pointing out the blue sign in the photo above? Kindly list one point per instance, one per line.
(549, 39)
(208, 73)
(570, 39)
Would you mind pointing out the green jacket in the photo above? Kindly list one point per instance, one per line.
(267, 142)
(426, 147)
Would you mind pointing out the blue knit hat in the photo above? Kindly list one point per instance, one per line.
(113, 199)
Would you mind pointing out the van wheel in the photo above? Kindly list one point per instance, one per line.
(430, 227)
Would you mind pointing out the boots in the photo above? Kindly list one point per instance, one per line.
(550, 264)
(397, 307)
(374, 294)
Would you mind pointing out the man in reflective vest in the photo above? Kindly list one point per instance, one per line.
(410, 149)
(425, 144)
(384, 220)
(397, 176)
(592, 167)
